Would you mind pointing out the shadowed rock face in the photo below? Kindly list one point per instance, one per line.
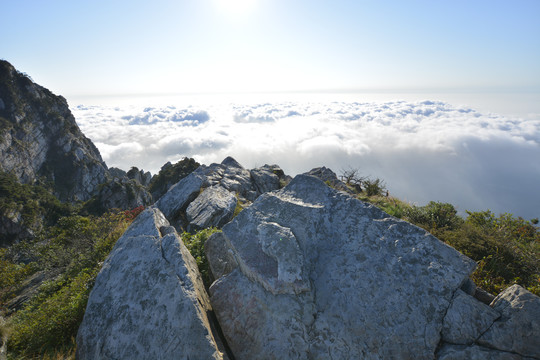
(148, 301)
(39, 137)
(310, 271)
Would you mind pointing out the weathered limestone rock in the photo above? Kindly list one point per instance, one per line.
(265, 179)
(518, 328)
(180, 195)
(310, 272)
(467, 319)
(329, 177)
(148, 301)
(213, 207)
(229, 176)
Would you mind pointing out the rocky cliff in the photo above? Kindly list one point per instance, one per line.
(304, 272)
(41, 144)
(40, 138)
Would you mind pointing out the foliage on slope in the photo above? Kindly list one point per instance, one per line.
(36, 204)
(75, 249)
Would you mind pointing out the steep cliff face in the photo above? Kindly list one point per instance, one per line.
(40, 138)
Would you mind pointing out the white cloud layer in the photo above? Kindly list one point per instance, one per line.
(423, 150)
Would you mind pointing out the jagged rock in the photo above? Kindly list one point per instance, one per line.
(115, 172)
(122, 194)
(330, 178)
(148, 301)
(518, 328)
(140, 176)
(310, 272)
(169, 175)
(265, 179)
(40, 138)
(467, 319)
(229, 176)
(180, 195)
(229, 161)
(213, 207)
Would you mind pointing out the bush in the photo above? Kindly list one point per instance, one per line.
(433, 216)
(374, 187)
(50, 324)
(195, 244)
(13, 275)
(506, 248)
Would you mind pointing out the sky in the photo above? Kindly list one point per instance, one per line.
(441, 99)
(103, 47)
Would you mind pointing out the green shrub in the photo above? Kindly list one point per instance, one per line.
(75, 247)
(434, 215)
(13, 275)
(506, 248)
(195, 244)
(50, 324)
(374, 187)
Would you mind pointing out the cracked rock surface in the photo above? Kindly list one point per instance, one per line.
(148, 301)
(310, 272)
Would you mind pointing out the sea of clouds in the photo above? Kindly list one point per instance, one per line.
(424, 150)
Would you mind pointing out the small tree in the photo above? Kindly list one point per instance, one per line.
(351, 177)
(374, 187)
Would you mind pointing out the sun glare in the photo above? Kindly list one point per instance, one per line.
(236, 8)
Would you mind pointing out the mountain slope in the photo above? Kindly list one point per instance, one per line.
(39, 138)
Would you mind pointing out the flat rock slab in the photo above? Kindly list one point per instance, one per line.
(148, 301)
(310, 272)
(213, 207)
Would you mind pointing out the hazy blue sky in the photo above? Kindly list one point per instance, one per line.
(168, 46)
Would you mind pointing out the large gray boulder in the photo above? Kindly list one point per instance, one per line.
(148, 301)
(310, 272)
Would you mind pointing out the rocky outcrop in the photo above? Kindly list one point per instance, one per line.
(148, 301)
(122, 194)
(310, 272)
(140, 176)
(209, 195)
(329, 178)
(40, 138)
(169, 175)
(13, 228)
